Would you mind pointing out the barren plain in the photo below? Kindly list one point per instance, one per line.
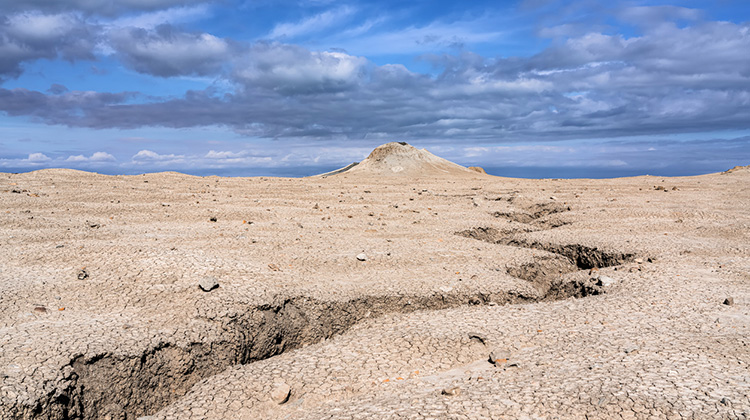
(426, 292)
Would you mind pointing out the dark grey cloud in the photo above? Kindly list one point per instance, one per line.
(31, 36)
(167, 51)
(62, 108)
(668, 79)
(96, 7)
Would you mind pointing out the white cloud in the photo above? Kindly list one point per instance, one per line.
(292, 69)
(33, 161)
(223, 155)
(38, 158)
(173, 16)
(435, 36)
(95, 157)
(148, 155)
(312, 24)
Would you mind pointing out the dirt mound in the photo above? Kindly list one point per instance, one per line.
(403, 159)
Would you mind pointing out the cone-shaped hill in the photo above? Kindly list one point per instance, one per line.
(402, 159)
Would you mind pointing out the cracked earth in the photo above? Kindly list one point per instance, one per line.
(167, 296)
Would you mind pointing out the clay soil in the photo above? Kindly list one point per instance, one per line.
(367, 296)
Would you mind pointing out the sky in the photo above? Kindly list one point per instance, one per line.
(528, 88)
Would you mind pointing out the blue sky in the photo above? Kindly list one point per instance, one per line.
(535, 88)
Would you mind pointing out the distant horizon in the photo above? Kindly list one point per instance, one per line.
(508, 172)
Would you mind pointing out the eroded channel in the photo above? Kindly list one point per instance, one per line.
(110, 386)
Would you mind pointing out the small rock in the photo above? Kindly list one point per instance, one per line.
(605, 281)
(451, 391)
(281, 393)
(40, 310)
(83, 274)
(729, 301)
(362, 257)
(213, 219)
(208, 283)
(726, 402)
(499, 356)
(630, 349)
(639, 260)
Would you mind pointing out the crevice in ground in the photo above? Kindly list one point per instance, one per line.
(581, 256)
(554, 272)
(124, 387)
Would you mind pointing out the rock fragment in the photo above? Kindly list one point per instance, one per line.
(455, 391)
(281, 393)
(729, 301)
(605, 281)
(208, 283)
(631, 349)
(499, 356)
(362, 257)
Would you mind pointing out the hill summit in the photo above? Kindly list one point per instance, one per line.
(403, 159)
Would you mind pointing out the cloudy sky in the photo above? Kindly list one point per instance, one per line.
(538, 88)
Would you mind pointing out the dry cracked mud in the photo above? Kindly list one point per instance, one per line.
(102, 315)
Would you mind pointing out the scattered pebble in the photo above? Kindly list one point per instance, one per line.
(281, 393)
(208, 283)
(451, 391)
(83, 274)
(605, 281)
(499, 356)
(729, 301)
(362, 257)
